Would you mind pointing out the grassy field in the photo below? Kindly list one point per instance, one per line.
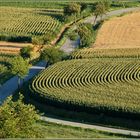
(120, 32)
(51, 130)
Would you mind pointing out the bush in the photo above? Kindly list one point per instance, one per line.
(73, 36)
(26, 52)
(52, 55)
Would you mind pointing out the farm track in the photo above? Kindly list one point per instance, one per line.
(5, 91)
(89, 126)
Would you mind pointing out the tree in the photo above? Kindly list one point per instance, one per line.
(26, 52)
(19, 67)
(17, 120)
(52, 55)
(72, 9)
(86, 34)
(38, 41)
(101, 8)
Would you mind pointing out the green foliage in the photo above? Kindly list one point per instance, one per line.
(2, 69)
(85, 31)
(19, 67)
(26, 52)
(5, 73)
(83, 6)
(73, 35)
(17, 120)
(37, 41)
(52, 55)
(101, 8)
(72, 9)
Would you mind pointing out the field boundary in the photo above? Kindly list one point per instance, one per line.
(89, 126)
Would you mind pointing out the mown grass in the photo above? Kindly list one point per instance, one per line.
(52, 130)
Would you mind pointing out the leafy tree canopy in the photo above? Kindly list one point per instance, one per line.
(52, 55)
(19, 67)
(17, 120)
(71, 9)
(26, 52)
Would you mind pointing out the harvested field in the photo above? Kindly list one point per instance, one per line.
(120, 32)
(9, 47)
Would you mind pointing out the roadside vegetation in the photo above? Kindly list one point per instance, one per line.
(19, 120)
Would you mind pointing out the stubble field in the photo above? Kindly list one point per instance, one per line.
(120, 32)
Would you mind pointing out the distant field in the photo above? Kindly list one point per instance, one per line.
(120, 32)
(26, 22)
(57, 4)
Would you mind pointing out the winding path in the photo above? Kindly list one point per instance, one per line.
(89, 126)
(70, 45)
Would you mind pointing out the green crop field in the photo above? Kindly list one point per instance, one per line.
(107, 85)
(26, 22)
(101, 53)
(57, 4)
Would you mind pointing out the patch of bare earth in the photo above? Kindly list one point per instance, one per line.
(120, 32)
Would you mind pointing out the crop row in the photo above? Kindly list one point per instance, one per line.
(109, 53)
(5, 58)
(29, 23)
(92, 85)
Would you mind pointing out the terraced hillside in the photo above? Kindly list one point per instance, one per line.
(120, 32)
(26, 22)
(107, 85)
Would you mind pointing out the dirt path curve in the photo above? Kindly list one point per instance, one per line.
(89, 126)
(70, 46)
(10, 86)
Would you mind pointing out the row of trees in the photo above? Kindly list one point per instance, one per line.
(99, 8)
